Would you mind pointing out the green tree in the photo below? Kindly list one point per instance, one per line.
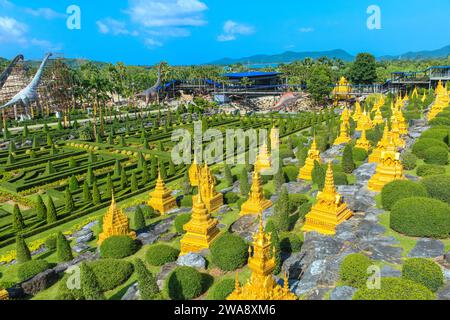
(73, 183)
(109, 186)
(134, 182)
(162, 170)
(90, 176)
(186, 184)
(123, 180)
(318, 175)
(348, 165)
(302, 154)
(96, 196)
(86, 192)
(69, 203)
(319, 83)
(18, 224)
(243, 183)
(172, 171)
(89, 284)
(51, 211)
(23, 253)
(49, 140)
(146, 282)
(145, 175)
(279, 179)
(364, 69)
(117, 168)
(138, 219)
(49, 169)
(41, 210)
(154, 168)
(228, 176)
(63, 250)
(281, 211)
(275, 244)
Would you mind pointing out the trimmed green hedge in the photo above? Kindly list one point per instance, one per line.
(423, 144)
(184, 283)
(160, 254)
(421, 217)
(400, 189)
(424, 272)
(229, 252)
(359, 154)
(111, 273)
(435, 133)
(221, 290)
(395, 289)
(118, 247)
(429, 170)
(436, 155)
(180, 221)
(438, 187)
(353, 271)
(31, 268)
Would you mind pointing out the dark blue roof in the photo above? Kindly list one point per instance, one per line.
(250, 74)
(439, 67)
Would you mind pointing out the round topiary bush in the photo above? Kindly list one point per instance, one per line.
(400, 189)
(424, 272)
(423, 144)
(291, 172)
(436, 155)
(111, 273)
(340, 179)
(359, 154)
(231, 197)
(409, 160)
(118, 247)
(353, 270)
(31, 268)
(438, 187)
(183, 283)
(421, 217)
(221, 290)
(435, 133)
(290, 242)
(395, 289)
(160, 254)
(180, 221)
(229, 252)
(429, 170)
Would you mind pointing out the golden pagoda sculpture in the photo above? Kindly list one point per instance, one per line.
(256, 202)
(330, 209)
(212, 199)
(313, 155)
(362, 142)
(375, 156)
(193, 172)
(341, 91)
(274, 138)
(343, 134)
(115, 223)
(364, 122)
(201, 230)
(402, 124)
(161, 199)
(262, 285)
(395, 133)
(4, 295)
(424, 97)
(388, 169)
(358, 113)
(263, 161)
(415, 93)
(378, 119)
(345, 116)
(442, 94)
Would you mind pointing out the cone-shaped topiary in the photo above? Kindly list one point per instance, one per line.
(22, 251)
(96, 197)
(51, 211)
(134, 182)
(18, 224)
(348, 165)
(146, 282)
(63, 250)
(89, 284)
(86, 192)
(69, 203)
(243, 183)
(73, 183)
(41, 210)
(138, 219)
(228, 176)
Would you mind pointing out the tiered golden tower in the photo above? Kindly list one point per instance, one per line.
(330, 209)
(212, 199)
(378, 119)
(313, 155)
(395, 133)
(362, 142)
(161, 198)
(256, 202)
(115, 223)
(194, 173)
(364, 122)
(201, 230)
(262, 285)
(375, 156)
(389, 169)
(263, 161)
(344, 127)
(358, 113)
(440, 103)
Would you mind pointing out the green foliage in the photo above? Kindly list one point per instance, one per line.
(229, 252)
(90, 176)
(51, 211)
(221, 290)
(359, 154)
(348, 164)
(87, 197)
(117, 168)
(302, 154)
(123, 179)
(160, 254)
(438, 187)
(421, 217)
(243, 183)
(146, 282)
(435, 133)
(275, 244)
(17, 223)
(395, 289)
(278, 179)
(318, 175)
(231, 197)
(138, 219)
(409, 160)
(96, 196)
(63, 250)
(49, 169)
(291, 173)
(424, 272)
(430, 170)
(22, 252)
(111, 272)
(89, 284)
(340, 179)
(423, 144)
(363, 70)
(319, 83)
(162, 170)
(304, 209)
(118, 247)
(69, 203)
(353, 270)
(186, 184)
(181, 220)
(50, 242)
(400, 189)
(73, 184)
(31, 268)
(134, 182)
(281, 214)
(290, 242)
(228, 176)
(436, 155)
(184, 283)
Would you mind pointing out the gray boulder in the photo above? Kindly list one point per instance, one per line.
(164, 273)
(427, 248)
(192, 260)
(447, 257)
(132, 293)
(389, 272)
(343, 293)
(444, 293)
(39, 282)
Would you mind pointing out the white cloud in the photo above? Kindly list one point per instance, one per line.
(6, 4)
(167, 13)
(152, 43)
(45, 44)
(232, 29)
(12, 30)
(114, 27)
(45, 13)
(306, 30)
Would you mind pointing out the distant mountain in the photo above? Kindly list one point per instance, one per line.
(73, 63)
(419, 55)
(286, 57)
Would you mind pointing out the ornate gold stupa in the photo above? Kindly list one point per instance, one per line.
(115, 223)
(415, 93)
(378, 119)
(362, 142)
(440, 103)
(194, 172)
(389, 169)
(341, 90)
(274, 138)
(343, 134)
(364, 122)
(256, 202)
(313, 155)
(200, 230)
(261, 285)
(330, 209)
(161, 198)
(212, 199)
(262, 159)
(395, 133)
(358, 112)
(4, 295)
(375, 156)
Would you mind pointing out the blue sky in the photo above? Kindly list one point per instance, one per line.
(200, 31)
